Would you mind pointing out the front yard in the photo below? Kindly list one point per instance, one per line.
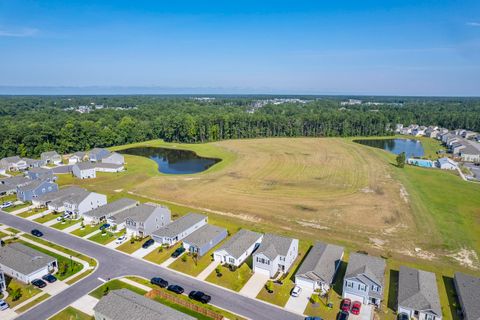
(30, 213)
(234, 280)
(65, 224)
(26, 291)
(130, 246)
(161, 254)
(71, 314)
(47, 217)
(17, 207)
(190, 265)
(104, 238)
(85, 231)
(114, 285)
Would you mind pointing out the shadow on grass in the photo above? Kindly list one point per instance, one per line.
(338, 280)
(393, 290)
(453, 302)
(293, 272)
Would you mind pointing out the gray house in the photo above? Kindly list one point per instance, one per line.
(40, 173)
(238, 248)
(77, 157)
(275, 254)
(35, 189)
(179, 229)
(97, 154)
(51, 157)
(364, 279)
(84, 170)
(204, 239)
(10, 185)
(319, 267)
(110, 209)
(418, 294)
(144, 219)
(14, 163)
(468, 292)
(114, 158)
(124, 304)
(34, 163)
(3, 283)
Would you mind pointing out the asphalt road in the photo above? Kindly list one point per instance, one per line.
(113, 264)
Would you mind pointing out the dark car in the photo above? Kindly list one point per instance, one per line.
(49, 278)
(178, 252)
(175, 288)
(148, 243)
(199, 296)
(36, 233)
(403, 316)
(343, 315)
(346, 303)
(39, 283)
(159, 282)
(104, 226)
(313, 318)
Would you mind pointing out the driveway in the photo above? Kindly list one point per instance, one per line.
(298, 304)
(140, 253)
(254, 284)
(366, 313)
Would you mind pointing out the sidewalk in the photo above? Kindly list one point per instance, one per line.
(85, 304)
(254, 285)
(91, 234)
(72, 227)
(22, 210)
(206, 272)
(136, 284)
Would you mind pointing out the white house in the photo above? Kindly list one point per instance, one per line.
(238, 248)
(114, 158)
(24, 263)
(77, 157)
(84, 170)
(179, 229)
(104, 212)
(142, 220)
(3, 283)
(447, 164)
(108, 167)
(275, 254)
(54, 200)
(14, 163)
(51, 157)
(78, 203)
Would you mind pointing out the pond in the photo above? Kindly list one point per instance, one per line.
(411, 147)
(173, 161)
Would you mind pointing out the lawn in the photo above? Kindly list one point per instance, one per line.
(234, 280)
(104, 238)
(129, 247)
(28, 291)
(47, 217)
(161, 254)
(65, 224)
(17, 207)
(3, 234)
(12, 230)
(10, 197)
(30, 213)
(85, 231)
(33, 303)
(114, 285)
(192, 266)
(71, 313)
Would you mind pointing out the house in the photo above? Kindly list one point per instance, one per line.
(84, 170)
(204, 239)
(35, 189)
(456, 147)
(77, 157)
(468, 291)
(447, 164)
(3, 283)
(470, 154)
(34, 163)
(319, 267)
(40, 173)
(108, 167)
(238, 248)
(124, 304)
(142, 220)
(418, 294)
(114, 158)
(10, 185)
(104, 212)
(77, 203)
(419, 131)
(21, 262)
(14, 163)
(469, 134)
(179, 229)
(51, 157)
(54, 200)
(3, 168)
(97, 154)
(275, 254)
(364, 279)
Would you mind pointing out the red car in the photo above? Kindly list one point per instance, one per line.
(346, 303)
(356, 307)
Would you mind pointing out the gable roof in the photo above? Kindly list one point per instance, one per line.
(84, 166)
(141, 212)
(239, 243)
(468, 290)
(179, 225)
(445, 160)
(274, 245)
(49, 154)
(13, 159)
(111, 208)
(34, 185)
(321, 262)
(204, 235)
(362, 265)
(23, 259)
(417, 290)
(61, 194)
(124, 304)
(79, 154)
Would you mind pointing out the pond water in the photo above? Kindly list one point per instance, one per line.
(411, 147)
(173, 161)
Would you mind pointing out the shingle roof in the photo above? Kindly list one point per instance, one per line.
(33, 185)
(61, 194)
(139, 213)
(13, 159)
(468, 290)
(364, 265)
(111, 208)
(85, 165)
(80, 154)
(240, 242)
(16, 181)
(321, 262)
(23, 259)
(417, 290)
(124, 304)
(445, 160)
(204, 235)
(108, 165)
(274, 245)
(179, 225)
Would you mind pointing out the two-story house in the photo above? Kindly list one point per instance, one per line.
(144, 219)
(238, 248)
(35, 189)
(179, 229)
(51, 157)
(275, 254)
(81, 201)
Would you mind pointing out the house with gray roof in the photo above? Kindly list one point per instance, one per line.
(108, 167)
(418, 294)
(54, 200)
(114, 158)
(179, 229)
(84, 170)
(124, 304)
(3, 283)
(97, 154)
(364, 279)
(468, 292)
(34, 163)
(318, 270)
(446, 164)
(77, 157)
(14, 163)
(142, 220)
(204, 239)
(40, 173)
(238, 248)
(10, 185)
(24, 263)
(35, 189)
(275, 254)
(51, 157)
(108, 210)
(81, 201)
(471, 152)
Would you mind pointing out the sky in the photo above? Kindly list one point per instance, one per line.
(387, 47)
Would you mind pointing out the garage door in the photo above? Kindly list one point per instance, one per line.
(262, 271)
(353, 297)
(304, 283)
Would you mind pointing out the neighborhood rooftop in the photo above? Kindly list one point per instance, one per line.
(138, 213)
(203, 235)
(273, 245)
(62, 194)
(240, 242)
(22, 258)
(361, 264)
(321, 262)
(468, 291)
(114, 206)
(179, 225)
(31, 186)
(124, 304)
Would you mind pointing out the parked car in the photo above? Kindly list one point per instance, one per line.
(6, 205)
(313, 318)
(343, 315)
(403, 316)
(346, 304)
(37, 233)
(296, 291)
(50, 278)
(121, 239)
(199, 296)
(104, 226)
(148, 243)
(178, 252)
(159, 282)
(356, 306)
(3, 305)
(39, 283)
(175, 288)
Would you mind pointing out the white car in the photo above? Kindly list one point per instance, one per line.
(6, 204)
(121, 239)
(3, 305)
(296, 291)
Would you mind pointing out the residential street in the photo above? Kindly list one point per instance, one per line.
(114, 264)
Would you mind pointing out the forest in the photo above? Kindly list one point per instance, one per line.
(30, 125)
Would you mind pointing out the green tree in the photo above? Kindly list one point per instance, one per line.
(269, 286)
(16, 294)
(401, 160)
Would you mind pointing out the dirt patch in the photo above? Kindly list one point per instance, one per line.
(118, 190)
(467, 258)
(404, 194)
(379, 243)
(419, 253)
(312, 224)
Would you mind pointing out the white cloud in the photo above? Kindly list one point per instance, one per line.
(473, 24)
(21, 33)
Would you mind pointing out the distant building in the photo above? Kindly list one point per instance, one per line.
(77, 157)
(51, 157)
(447, 164)
(84, 170)
(97, 154)
(14, 163)
(114, 158)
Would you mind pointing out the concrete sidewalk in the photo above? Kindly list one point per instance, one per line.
(85, 304)
(22, 210)
(72, 227)
(51, 223)
(91, 234)
(38, 215)
(254, 285)
(170, 260)
(206, 272)
(136, 284)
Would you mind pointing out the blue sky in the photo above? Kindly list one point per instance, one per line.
(384, 47)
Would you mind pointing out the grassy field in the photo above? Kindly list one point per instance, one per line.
(114, 285)
(85, 231)
(104, 238)
(70, 313)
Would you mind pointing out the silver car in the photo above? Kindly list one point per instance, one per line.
(3, 305)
